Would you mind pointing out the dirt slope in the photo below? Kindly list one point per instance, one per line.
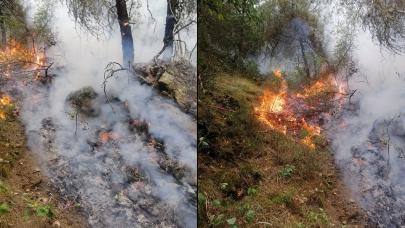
(26, 199)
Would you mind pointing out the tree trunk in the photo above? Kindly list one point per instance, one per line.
(304, 58)
(168, 39)
(126, 33)
(3, 43)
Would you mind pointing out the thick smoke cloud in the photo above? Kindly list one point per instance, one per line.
(368, 139)
(98, 176)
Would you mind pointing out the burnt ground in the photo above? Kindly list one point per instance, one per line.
(26, 198)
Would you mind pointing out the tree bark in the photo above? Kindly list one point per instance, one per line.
(127, 41)
(304, 58)
(3, 44)
(168, 39)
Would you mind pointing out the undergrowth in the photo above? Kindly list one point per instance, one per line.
(250, 175)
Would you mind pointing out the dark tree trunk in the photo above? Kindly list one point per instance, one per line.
(168, 39)
(304, 58)
(126, 33)
(3, 43)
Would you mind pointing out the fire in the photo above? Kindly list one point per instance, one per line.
(16, 51)
(282, 111)
(326, 85)
(19, 54)
(5, 100)
(308, 141)
(107, 136)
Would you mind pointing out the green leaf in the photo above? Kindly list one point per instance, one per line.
(250, 216)
(252, 191)
(44, 211)
(4, 208)
(201, 198)
(216, 203)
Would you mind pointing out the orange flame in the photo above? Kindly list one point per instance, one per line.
(5, 100)
(277, 109)
(18, 53)
(107, 136)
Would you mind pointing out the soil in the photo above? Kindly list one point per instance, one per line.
(24, 188)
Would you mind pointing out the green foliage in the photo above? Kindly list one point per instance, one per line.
(318, 218)
(226, 121)
(283, 198)
(42, 21)
(250, 216)
(3, 187)
(44, 211)
(4, 208)
(384, 19)
(216, 203)
(252, 191)
(39, 209)
(229, 31)
(287, 171)
(201, 199)
(12, 14)
(237, 185)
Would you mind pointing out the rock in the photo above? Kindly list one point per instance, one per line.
(56, 224)
(177, 80)
(83, 101)
(180, 82)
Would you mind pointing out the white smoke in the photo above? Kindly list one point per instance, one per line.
(373, 124)
(97, 176)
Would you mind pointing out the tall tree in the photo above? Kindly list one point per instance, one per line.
(3, 30)
(384, 18)
(12, 21)
(179, 15)
(126, 32)
(168, 39)
(96, 16)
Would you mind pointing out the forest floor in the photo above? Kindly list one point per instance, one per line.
(252, 176)
(26, 198)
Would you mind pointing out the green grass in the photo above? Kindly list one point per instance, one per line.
(4, 208)
(39, 209)
(250, 174)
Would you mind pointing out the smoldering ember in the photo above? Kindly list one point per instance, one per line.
(98, 113)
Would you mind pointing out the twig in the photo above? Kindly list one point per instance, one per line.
(388, 142)
(151, 15)
(109, 73)
(177, 30)
(77, 112)
(351, 95)
(192, 50)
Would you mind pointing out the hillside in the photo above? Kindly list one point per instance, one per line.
(250, 174)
